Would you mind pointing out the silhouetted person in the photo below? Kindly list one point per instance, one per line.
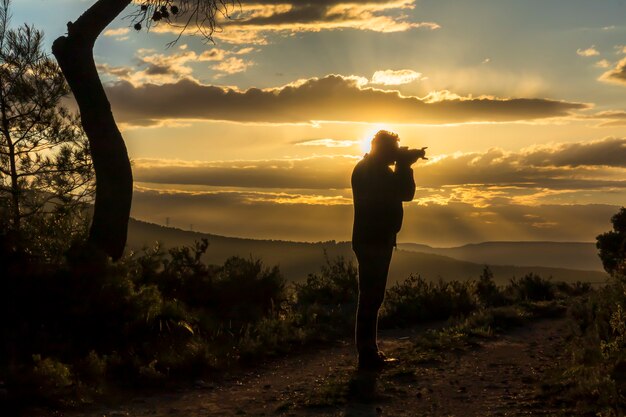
(378, 192)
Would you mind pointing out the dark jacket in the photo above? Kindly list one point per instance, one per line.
(378, 193)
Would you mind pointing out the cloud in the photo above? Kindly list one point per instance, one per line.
(232, 65)
(265, 215)
(320, 173)
(603, 63)
(617, 74)
(608, 152)
(548, 174)
(534, 174)
(120, 34)
(548, 192)
(591, 51)
(251, 21)
(395, 77)
(331, 98)
(610, 118)
(328, 143)
(156, 68)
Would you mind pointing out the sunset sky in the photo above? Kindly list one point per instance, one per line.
(521, 103)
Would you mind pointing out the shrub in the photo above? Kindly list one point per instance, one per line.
(149, 316)
(575, 289)
(531, 287)
(487, 292)
(416, 300)
(325, 303)
(612, 245)
(594, 375)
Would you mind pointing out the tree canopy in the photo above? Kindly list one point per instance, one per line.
(45, 167)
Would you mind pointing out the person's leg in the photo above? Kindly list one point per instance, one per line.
(373, 268)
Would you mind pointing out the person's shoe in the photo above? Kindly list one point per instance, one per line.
(375, 361)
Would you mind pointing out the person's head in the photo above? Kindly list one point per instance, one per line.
(385, 146)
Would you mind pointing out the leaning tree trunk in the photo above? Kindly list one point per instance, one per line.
(114, 179)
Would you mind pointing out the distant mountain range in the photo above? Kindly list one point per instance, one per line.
(561, 261)
(571, 255)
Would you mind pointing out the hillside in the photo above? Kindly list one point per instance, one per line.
(298, 259)
(574, 255)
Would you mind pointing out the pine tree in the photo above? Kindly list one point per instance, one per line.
(45, 167)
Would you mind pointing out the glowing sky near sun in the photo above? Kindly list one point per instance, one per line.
(521, 103)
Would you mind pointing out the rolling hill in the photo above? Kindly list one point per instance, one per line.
(298, 259)
(573, 255)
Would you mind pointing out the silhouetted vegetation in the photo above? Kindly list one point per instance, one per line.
(593, 378)
(155, 316)
(45, 166)
(417, 301)
(325, 304)
(531, 287)
(612, 245)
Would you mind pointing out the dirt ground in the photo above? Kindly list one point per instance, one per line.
(499, 377)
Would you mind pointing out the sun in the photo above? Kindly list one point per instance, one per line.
(366, 138)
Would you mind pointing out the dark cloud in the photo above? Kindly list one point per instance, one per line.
(570, 166)
(155, 69)
(321, 3)
(311, 11)
(332, 98)
(120, 72)
(249, 21)
(606, 152)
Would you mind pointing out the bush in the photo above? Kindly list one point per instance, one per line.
(487, 292)
(415, 301)
(612, 245)
(531, 287)
(594, 376)
(150, 316)
(325, 304)
(50, 377)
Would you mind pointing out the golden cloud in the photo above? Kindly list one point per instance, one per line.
(617, 74)
(162, 69)
(609, 118)
(395, 77)
(251, 21)
(570, 172)
(329, 143)
(116, 32)
(232, 65)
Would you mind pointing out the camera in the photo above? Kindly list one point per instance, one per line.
(408, 156)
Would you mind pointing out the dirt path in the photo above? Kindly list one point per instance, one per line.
(501, 377)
